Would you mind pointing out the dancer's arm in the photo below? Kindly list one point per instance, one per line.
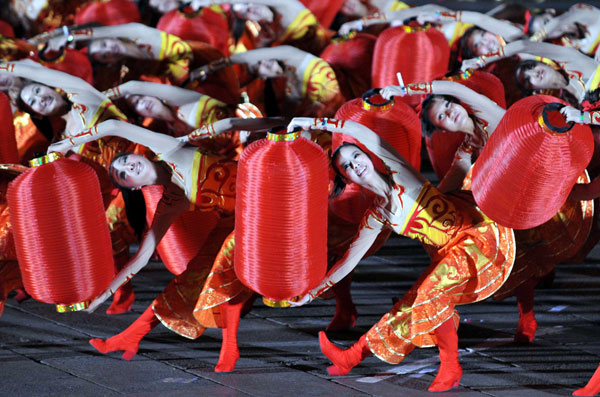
(158, 143)
(505, 29)
(218, 127)
(172, 95)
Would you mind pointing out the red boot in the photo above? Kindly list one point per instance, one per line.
(129, 339)
(231, 313)
(527, 324)
(344, 360)
(450, 370)
(345, 311)
(593, 386)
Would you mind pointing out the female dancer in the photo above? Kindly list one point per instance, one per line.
(471, 255)
(548, 66)
(311, 86)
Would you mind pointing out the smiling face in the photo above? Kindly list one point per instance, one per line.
(448, 116)
(133, 171)
(107, 50)
(481, 42)
(354, 165)
(43, 100)
(149, 106)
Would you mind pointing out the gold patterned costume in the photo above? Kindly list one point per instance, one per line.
(471, 257)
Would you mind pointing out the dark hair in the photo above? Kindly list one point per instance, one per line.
(110, 173)
(427, 125)
(592, 96)
(339, 183)
(465, 52)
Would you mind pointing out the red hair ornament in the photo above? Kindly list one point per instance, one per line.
(419, 53)
(530, 163)
(61, 236)
(281, 216)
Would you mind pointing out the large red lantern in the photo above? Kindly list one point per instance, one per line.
(61, 235)
(108, 12)
(351, 58)
(442, 145)
(281, 216)
(419, 53)
(530, 163)
(185, 237)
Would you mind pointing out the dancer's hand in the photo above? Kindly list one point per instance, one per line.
(392, 90)
(98, 300)
(575, 115)
(473, 63)
(348, 27)
(306, 123)
(300, 301)
(60, 147)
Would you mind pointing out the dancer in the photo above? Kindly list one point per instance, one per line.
(471, 255)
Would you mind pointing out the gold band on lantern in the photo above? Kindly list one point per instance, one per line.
(378, 108)
(75, 307)
(36, 162)
(290, 136)
(547, 129)
(275, 303)
(415, 29)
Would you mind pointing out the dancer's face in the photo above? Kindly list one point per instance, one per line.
(354, 165)
(482, 42)
(43, 100)
(148, 106)
(132, 171)
(107, 50)
(448, 116)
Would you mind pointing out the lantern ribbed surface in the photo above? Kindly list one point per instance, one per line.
(111, 12)
(204, 26)
(281, 216)
(351, 59)
(419, 53)
(442, 145)
(185, 237)
(74, 63)
(8, 143)
(527, 169)
(61, 234)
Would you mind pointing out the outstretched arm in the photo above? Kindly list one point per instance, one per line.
(218, 127)
(506, 30)
(158, 143)
(580, 13)
(166, 213)
(364, 239)
(288, 9)
(172, 95)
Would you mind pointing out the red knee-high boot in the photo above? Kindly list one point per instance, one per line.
(527, 324)
(450, 370)
(231, 313)
(345, 311)
(124, 296)
(344, 360)
(129, 339)
(593, 386)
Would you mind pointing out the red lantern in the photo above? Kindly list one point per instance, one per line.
(69, 61)
(204, 25)
(396, 123)
(108, 12)
(281, 216)
(419, 53)
(442, 145)
(61, 235)
(9, 153)
(530, 163)
(185, 237)
(324, 11)
(351, 58)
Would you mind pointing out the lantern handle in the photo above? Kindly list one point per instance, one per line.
(367, 104)
(42, 54)
(551, 107)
